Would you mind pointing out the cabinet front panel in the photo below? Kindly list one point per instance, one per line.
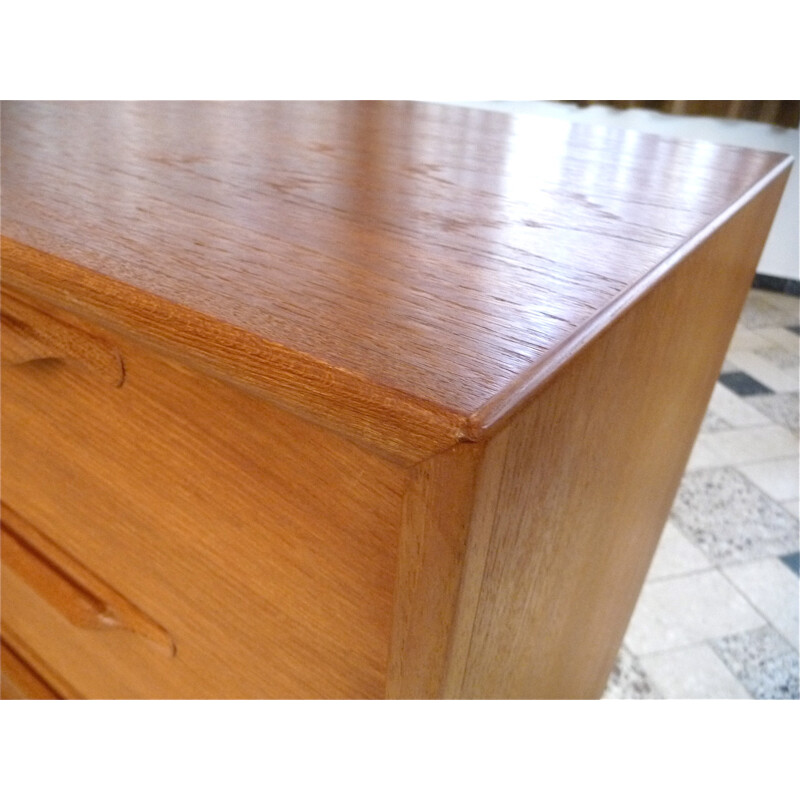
(263, 545)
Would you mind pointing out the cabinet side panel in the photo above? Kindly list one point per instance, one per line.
(574, 492)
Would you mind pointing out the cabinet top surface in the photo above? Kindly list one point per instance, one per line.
(439, 253)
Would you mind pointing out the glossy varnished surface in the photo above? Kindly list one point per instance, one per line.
(412, 263)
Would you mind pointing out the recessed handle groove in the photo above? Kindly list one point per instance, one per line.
(30, 335)
(70, 588)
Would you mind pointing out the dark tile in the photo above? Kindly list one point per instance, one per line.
(779, 285)
(769, 282)
(792, 560)
(743, 384)
(793, 329)
(781, 357)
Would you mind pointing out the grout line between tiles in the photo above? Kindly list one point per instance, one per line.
(681, 647)
(763, 491)
(690, 573)
(750, 602)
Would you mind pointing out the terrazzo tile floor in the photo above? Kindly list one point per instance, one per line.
(718, 614)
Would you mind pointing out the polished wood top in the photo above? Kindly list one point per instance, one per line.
(424, 267)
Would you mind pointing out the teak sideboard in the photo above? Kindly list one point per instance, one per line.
(349, 400)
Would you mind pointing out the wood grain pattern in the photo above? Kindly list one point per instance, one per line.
(435, 523)
(29, 335)
(389, 269)
(34, 662)
(81, 597)
(264, 545)
(573, 493)
(18, 681)
(382, 399)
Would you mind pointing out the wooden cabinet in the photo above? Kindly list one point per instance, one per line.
(349, 400)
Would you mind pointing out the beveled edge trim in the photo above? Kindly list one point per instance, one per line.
(398, 426)
(493, 413)
(388, 421)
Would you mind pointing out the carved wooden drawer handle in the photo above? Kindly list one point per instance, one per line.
(71, 589)
(29, 334)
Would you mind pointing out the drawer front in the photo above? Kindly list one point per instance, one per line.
(20, 681)
(73, 620)
(263, 546)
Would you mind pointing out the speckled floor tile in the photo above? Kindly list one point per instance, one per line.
(746, 339)
(628, 681)
(780, 336)
(676, 555)
(714, 422)
(779, 356)
(781, 408)
(762, 661)
(686, 610)
(730, 519)
(690, 673)
(789, 303)
(763, 311)
(774, 591)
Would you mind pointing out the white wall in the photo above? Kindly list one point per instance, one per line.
(781, 255)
